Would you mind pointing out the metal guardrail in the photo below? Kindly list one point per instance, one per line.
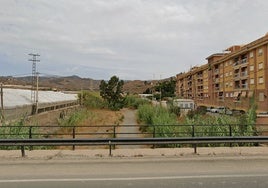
(130, 141)
(51, 131)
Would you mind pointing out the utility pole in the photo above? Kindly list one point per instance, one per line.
(34, 91)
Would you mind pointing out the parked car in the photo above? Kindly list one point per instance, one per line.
(222, 110)
(214, 110)
(209, 109)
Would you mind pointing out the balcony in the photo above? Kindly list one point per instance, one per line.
(236, 63)
(216, 80)
(199, 83)
(236, 75)
(244, 74)
(216, 71)
(240, 63)
(220, 98)
(244, 86)
(200, 90)
(244, 61)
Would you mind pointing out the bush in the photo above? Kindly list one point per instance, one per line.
(15, 131)
(145, 114)
(75, 118)
(91, 100)
(157, 118)
(175, 110)
(132, 101)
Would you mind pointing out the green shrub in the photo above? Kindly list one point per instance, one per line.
(132, 101)
(15, 131)
(74, 118)
(158, 118)
(175, 110)
(91, 100)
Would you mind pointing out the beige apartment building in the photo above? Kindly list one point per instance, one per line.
(230, 79)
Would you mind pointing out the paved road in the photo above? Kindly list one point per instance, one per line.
(151, 173)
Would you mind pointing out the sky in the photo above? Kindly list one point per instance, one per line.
(132, 39)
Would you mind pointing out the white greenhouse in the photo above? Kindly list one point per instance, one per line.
(17, 102)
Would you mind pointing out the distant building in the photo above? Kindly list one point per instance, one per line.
(184, 104)
(230, 79)
(145, 95)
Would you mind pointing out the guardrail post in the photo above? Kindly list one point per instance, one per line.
(193, 131)
(30, 137)
(114, 136)
(193, 135)
(154, 135)
(22, 151)
(110, 148)
(74, 136)
(230, 133)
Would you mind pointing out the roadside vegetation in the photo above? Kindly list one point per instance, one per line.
(167, 122)
(17, 131)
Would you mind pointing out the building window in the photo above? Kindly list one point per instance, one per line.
(191, 106)
(251, 68)
(261, 65)
(251, 54)
(226, 84)
(231, 84)
(226, 95)
(260, 51)
(251, 80)
(231, 73)
(231, 94)
(261, 97)
(260, 80)
(227, 74)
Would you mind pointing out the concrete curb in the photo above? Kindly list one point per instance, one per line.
(9, 155)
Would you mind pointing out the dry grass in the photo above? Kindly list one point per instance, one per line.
(97, 125)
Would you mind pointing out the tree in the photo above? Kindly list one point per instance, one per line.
(167, 88)
(111, 92)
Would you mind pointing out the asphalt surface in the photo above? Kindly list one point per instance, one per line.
(232, 172)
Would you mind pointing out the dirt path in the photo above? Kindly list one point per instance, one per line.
(132, 125)
(132, 130)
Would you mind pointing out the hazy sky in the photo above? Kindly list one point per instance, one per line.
(133, 39)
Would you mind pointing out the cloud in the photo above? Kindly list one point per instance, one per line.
(132, 38)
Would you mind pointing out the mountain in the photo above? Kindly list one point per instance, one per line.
(69, 83)
(73, 83)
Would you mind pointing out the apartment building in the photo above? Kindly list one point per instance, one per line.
(230, 79)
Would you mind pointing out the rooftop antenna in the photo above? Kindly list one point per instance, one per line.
(34, 91)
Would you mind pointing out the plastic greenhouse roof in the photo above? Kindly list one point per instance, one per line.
(20, 97)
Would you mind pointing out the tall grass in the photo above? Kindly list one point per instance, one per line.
(15, 131)
(74, 118)
(91, 100)
(162, 121)
(132, 101)
(159, 120)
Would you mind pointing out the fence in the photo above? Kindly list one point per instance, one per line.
(114, 131)
(130, 141)
(112, 135)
